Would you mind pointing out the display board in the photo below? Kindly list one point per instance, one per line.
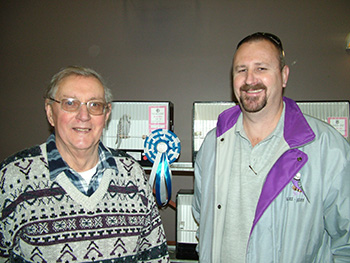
(132, 121)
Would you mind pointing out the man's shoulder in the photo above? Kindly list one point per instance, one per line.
(227, 119)
(320, 126)
(327, 134)
(123, 159)
(23, 154)
(118, 153)
(121, 155)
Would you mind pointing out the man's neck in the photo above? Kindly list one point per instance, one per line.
(80, 160)
(260, 125)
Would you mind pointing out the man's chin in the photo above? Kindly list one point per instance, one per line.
(252, 107)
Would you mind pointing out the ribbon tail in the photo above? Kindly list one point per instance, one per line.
(167, 176)
(163, 181)
(153, 174)
(159, 180)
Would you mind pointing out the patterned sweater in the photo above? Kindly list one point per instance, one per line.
(52, 221)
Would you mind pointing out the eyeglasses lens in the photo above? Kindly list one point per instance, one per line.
(70, 104)
(94, 107)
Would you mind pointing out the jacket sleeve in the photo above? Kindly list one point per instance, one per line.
(203, 200)
(196, 203)
(337, 208)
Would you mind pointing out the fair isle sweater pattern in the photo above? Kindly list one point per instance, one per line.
(52, 221)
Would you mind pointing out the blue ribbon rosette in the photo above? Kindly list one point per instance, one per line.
(162, 147)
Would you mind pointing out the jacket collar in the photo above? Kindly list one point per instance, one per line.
(297, 131)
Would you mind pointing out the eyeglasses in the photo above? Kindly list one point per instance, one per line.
(94, 107)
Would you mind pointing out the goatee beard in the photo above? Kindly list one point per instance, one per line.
(253, 103)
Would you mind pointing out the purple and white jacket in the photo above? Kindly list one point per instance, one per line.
(303, 213)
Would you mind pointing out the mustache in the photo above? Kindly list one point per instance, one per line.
(247, 87)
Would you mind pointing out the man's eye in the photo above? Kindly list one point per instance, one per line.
(70, 103)
(96, 104)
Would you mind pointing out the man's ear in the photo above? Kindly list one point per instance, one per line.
(108, 113)
(49, 113)
(285, 75)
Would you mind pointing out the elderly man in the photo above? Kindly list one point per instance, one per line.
(71, 199)
(271, 185)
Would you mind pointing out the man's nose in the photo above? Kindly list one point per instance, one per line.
(83, 112)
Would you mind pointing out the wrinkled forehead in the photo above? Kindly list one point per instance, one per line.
(77, 85)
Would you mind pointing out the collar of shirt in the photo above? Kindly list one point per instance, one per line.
(278, 131)
(57, 165)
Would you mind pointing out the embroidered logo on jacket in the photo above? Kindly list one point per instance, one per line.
(297, 185)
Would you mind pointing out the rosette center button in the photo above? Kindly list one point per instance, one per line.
(162, 147)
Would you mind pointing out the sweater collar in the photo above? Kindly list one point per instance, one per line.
(57, 164)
